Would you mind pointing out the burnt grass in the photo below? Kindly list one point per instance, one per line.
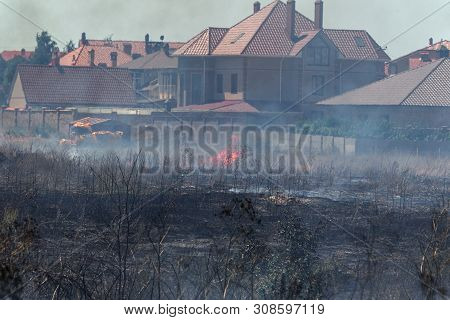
(100, 230)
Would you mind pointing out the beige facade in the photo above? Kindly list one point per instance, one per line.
(311, 76)
(17, 99)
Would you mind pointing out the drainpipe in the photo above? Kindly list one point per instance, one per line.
(204, 80)
(281, 79)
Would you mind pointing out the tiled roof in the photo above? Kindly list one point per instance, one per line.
(435, 47)
(347, 43)
(222, 106)
(88, 122)
(11, 54)
(72, 86)
(428, 85)
(434, 90)
(156, 60)
(204, 43)
(264, 34)
(137, 47)
(81, 57)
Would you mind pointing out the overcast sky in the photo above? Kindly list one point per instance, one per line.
(179, 20)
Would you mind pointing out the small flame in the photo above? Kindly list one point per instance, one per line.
(227, 157)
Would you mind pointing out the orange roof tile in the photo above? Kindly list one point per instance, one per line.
(11, 54)
(81, 56)
(137, 47)
(264, 34)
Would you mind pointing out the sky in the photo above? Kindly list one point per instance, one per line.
(179, 20)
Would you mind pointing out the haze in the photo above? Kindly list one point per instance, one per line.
(179, 20)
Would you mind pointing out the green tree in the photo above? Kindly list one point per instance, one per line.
(44, 49)
(8, 76)
(69, 47)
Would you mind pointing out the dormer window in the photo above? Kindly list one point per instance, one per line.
(360, 42)
(238, 37)
(425, 57)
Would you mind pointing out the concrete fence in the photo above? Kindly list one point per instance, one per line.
(31, 121)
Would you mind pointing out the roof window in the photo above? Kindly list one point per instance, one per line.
(238, 37)
(360, 42)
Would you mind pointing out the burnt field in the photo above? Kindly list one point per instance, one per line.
(95, 226)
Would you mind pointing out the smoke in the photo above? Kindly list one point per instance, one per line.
(179, 20)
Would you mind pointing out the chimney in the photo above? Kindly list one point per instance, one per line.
(114, 59)
(22, 52)
(318, 17)
(147, 44)
(92, 57)
(430, 41)
(256, 6)
(55, 58)
(291, 19)
(83, 39)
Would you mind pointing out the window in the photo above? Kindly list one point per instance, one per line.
(360, 42)
(318, 82)
(237, 38)
(319, 56)
(219, 83)
(234, 83)
(425, 57)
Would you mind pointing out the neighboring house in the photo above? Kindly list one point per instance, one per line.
(9, 55)
(414, 97)
(88, 55)
(132, 48)
(276, 55)
(433, 52)
(155, 76)
(37, 86)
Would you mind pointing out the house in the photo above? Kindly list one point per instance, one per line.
(11, 54)
(415, 97)
(109, 53)
(38, 86)
(88, 55)
(434, 51)
(155, 76)
(276, 55)
(132, 48)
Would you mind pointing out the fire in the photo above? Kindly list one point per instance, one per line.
(227, 157)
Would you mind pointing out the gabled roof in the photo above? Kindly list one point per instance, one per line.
(11, 54)
(81, 56)
(264, 34)
(137, 47)
(156, 60)
(203, 43)
(434, 47)
(356, 44)
(425, 86)
(72, 86)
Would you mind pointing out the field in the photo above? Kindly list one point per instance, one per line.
(94, 225)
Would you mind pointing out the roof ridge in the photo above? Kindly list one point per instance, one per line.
(277, 2)
(247, 17)
(377, 82)
(423, 80)
(191, 42)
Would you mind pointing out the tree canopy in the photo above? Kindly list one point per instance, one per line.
(44, 48)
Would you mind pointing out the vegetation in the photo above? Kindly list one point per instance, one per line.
(42, 55)
(95, 226)
(375, 129)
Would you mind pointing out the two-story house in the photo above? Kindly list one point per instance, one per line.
(276, 56)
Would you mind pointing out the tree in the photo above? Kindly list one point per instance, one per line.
(44, 49)
(8, 75)
(2, 71)
(69, 47)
